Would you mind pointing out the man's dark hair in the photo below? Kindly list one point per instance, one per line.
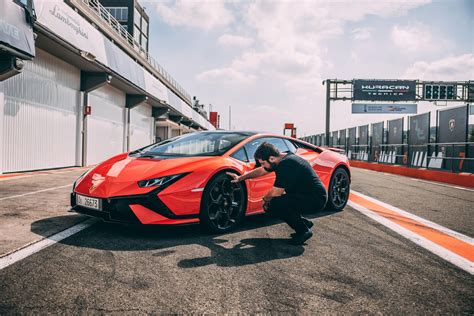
(265, 150)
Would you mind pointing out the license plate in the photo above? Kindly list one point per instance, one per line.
(89, 202)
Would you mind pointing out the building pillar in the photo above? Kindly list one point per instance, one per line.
(90, 81)
(126, 130)
(85, 120)
(79, 128)
(132, 100)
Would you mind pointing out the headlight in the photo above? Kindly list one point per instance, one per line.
(157, 182)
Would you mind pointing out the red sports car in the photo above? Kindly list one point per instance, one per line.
(183, 180)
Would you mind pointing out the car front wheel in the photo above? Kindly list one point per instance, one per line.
(223, 204)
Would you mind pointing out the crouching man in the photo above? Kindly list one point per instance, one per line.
(297, 189)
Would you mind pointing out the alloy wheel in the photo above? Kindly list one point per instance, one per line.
(340, 190)
(224, 203)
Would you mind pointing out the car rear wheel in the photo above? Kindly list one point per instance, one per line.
(223, 204)
(338, 191)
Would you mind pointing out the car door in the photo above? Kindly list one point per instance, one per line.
(258, 187)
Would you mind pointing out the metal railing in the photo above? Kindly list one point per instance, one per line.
(358, 152)
(454, 157)
(457, 157)
(107, 17)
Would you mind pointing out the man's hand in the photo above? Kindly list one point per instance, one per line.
(235, 178)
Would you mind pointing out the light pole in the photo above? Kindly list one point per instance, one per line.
(328, 109)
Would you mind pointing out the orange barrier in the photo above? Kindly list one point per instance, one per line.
(462, 179)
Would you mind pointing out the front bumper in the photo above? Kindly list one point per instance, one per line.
(119, 210)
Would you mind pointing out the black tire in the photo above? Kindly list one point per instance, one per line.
(223, 204)
(338, 191)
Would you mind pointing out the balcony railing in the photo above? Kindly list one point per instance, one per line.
(105, 15)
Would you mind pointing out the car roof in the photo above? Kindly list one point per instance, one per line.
(247, 133)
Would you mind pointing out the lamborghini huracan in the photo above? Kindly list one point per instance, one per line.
(184, 180)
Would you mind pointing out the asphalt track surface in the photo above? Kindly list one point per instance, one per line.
(353, 264)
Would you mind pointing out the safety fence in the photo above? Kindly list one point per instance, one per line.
(454, 157)
(448, 146)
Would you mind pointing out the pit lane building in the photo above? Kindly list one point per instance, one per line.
(76, 87)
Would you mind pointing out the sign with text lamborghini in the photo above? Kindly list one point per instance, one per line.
(384, 90)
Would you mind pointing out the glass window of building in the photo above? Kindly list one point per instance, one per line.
(123, 14)
(144, 26)
(136, 17)
(111, 11)
(136, 35)
(23, 3)
(119, 13)
(144, 42)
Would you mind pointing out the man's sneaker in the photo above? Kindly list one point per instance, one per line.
(299, 239)
(308, 224)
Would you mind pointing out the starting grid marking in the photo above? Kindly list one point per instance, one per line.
(451, 246)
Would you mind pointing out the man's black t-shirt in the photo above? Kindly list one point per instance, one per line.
(295, 175)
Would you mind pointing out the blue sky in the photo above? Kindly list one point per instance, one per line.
(267, 58)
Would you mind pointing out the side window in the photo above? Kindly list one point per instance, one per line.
(277, 142)
(301, 145)
(290, 145)
(251, 148)
(240, 155)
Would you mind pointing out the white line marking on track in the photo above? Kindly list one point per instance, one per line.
(33, 248)
(443, 185)
(444, 253)
(44, 190)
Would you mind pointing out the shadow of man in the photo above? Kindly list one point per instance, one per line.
(247, 251)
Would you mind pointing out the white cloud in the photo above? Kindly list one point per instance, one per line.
(272, 116)
(288, 54)
(221, 75)
(235, 40)
(357, 10)
(412, 38)
(354, 56)
(362, 33)
(450, 68)
(292, 36)
(291, 55)
(205, 14)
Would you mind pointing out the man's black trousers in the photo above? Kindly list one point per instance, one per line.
(289, 207)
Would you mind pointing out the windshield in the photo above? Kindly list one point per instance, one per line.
(195, 144)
